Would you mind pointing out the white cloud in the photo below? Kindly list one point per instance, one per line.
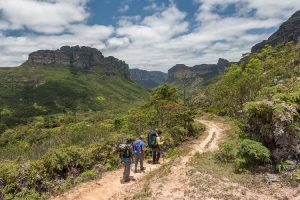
(164, 39)
(118, 42)
(124, 8)
(153, 6)
(50, 16)
(154, 42)
(159, 27)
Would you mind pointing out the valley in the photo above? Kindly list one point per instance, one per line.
(230, 130)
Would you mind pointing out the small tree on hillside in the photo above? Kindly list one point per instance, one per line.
(163, 99)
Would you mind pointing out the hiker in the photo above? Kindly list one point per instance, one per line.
(158, 147)
(126, 157)
(154, 142)
(138, 152)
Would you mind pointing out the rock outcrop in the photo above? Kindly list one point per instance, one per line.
(181, 71)
(277, 126)
(80, 58)
(149, 79)
(288, 31)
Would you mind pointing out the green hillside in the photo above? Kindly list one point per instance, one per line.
(26, 92)
(263, 93)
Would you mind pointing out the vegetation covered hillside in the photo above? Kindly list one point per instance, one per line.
(59, 124)
(263, 92)
(149, 79)
(33, 90)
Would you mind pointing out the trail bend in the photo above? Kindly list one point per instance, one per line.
(111, 187)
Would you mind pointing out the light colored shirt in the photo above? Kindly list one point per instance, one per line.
(158, 141)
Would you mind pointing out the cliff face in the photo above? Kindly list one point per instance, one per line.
(80, 58)
(288, 31)
(149, 79)
(181, 71)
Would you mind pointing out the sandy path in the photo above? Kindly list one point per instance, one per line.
(111, 187)
(173, 185)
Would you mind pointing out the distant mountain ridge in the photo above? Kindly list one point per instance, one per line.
(181, 71)
(288, 31)
(149, 79)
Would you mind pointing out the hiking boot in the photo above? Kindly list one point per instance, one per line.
(143, 168)
(135, 171)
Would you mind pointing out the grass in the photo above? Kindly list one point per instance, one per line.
(144, 193)
(207, 163)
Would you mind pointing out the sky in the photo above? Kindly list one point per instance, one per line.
(146, 34)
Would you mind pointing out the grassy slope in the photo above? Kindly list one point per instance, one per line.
(48, 107)
(33, 91)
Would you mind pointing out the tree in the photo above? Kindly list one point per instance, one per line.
(163, 99)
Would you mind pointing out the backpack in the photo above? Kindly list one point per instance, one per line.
(152, 139)
(137, 146)
(124, 150)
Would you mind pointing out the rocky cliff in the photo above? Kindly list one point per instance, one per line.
(149, 79)
(79, 58)
(288, 31)
(181, 71)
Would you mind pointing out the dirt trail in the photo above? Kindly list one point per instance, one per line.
(173, 185)
(111, 187)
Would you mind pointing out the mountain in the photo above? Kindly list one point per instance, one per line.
(80, 59)
(181, 71)
(288, 31)
(70, 79)
(150, 79)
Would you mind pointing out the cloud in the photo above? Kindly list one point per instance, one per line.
(118, 42)
(157, 41)
(153, 6)
(165, 38)
(124, 8)
(15, 50)
(155, 28)
(50, 16)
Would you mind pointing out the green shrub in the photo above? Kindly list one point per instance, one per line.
(178, 134)
(3, 127)
(284, 165)
(27, 194)
(228, 151)
(252, 153)
(85, 176)
(296, 175)
(63, 160)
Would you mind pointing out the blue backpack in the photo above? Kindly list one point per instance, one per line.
(152, 139)
(136, 146)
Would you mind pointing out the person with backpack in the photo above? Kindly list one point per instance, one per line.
(138, 152)
(126, 157)
(155, 143)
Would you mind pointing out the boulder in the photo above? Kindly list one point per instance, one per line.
(277, 126)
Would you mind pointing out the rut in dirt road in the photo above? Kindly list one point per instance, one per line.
(110, 186)
(173, 185)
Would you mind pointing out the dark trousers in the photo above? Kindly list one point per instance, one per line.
(126, 173)
(155, 155)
